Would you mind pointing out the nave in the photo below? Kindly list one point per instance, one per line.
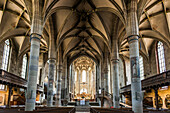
(85, 56)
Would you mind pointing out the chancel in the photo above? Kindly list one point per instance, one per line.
(98, 56)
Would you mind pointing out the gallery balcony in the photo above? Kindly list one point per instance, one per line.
(159, 80)
(7, 78)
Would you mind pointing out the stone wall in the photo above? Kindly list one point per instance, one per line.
(150, 66)
(14, 64)
(147, 67)
(167, 57)
(1, 53)
(153, 62)
(13, 61)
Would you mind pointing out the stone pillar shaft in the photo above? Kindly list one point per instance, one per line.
(111, 78)
(59, 74)
(72, 79)
(106, 82)
(132, 31)
(50, 83)
(135, 77)
(87, 80)
(115, 67)
(115, 63)
(66, 83)
(32, 73)
(102, 77)
(97, 79)
(79, 79)
(36, 32)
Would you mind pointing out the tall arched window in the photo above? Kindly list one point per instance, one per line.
(6, 55)
(141, 67)
(84, 76)
(24, 66)
(161, 58)
(75, 75)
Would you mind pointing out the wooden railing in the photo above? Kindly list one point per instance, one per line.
(14, 80)
(161, 79)
(9, 78)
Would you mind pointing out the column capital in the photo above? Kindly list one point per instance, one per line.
(132, 37)
(35, 36)
(52, 60)
(114, 60)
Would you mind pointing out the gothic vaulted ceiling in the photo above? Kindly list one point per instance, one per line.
(84, 27)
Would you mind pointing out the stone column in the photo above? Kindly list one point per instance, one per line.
(32, 73)
(90, 83)
(94, 80)
(106, 73)
(132, 31)
(66, 83)
(63, 82)
(73, 80)
(115, 73)
(50, 82)
(97, 79)
(52, 66)
(70, 78)
(87, 80)
(79, 79)
(36, 31)
(102, 76)
(59, 75)
(77, 82)
(111, 78)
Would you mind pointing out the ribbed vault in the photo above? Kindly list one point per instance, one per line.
(85, 27)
